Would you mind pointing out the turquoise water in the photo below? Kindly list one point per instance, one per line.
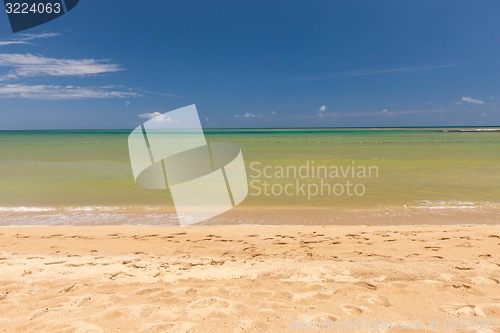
(78, 173)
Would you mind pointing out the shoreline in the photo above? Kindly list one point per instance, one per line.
(486, 214)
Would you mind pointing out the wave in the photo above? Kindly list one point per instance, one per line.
(472, 130)
(420, 212)
(24, 209)
(452, 204)
(88, 215)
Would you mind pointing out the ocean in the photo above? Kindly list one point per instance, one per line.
(296, 176)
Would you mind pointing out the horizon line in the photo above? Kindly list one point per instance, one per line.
(254, 128)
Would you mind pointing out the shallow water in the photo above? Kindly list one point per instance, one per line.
(84, 177)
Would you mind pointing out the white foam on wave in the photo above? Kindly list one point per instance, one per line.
(24, 209)
(27, 209)
(86, 215)
(428, 204)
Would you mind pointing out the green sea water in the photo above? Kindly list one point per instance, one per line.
(85, 171)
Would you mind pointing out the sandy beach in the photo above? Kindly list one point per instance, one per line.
(249, 166)
(250, 279)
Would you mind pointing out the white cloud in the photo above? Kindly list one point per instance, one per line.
(322, 111)
(156, 116)
(11, 42)
(471, 100)
(26, 38)
(30, 65)
(273, 113)
(154, 92)
(409, 69)
(387, 112)
(246, 115)
(54, 92)
(27, 65)
(149, 115)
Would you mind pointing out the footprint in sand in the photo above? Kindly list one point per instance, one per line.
(353, 310)
(191, 293)
(4, 295)
(463, 268)
(68, 289)
(55, 235)
(148, 291)
(459, 285)
(54, 263)
(285, 236)
(212, 303)
(463, 310)
(213, 236)
(373, 299)
(367, 285)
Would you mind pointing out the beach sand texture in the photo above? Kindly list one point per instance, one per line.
(246, 278)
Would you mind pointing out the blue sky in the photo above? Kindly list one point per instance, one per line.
(272, 63)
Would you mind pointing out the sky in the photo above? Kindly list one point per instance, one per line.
(255, 64)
